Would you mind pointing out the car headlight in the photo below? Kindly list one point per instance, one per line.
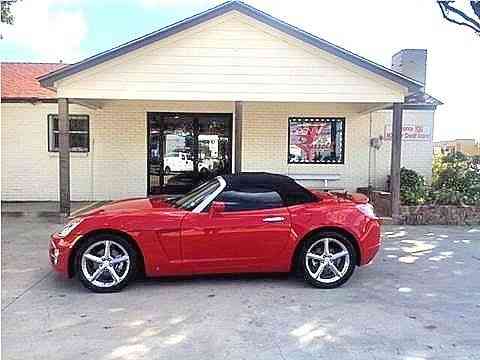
(367, 210)
(67, 229)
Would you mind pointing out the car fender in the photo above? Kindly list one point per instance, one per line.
(310, 219)
(160, 250)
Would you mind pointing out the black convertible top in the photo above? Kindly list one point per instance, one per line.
(262, 179)
(291, 192)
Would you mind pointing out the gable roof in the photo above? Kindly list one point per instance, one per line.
(19, 80)
(422, 98)
(248, 10)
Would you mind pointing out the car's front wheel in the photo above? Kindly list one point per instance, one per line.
(106, 262)
(328, 260)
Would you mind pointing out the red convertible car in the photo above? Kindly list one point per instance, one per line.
(251, 222)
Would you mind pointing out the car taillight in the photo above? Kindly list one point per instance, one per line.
(367, 210)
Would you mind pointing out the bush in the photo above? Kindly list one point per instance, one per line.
(412, 187)
(456, 180)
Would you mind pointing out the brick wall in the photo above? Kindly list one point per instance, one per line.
(416, 155)
(116, 165)
(265, 137)
(29, 171)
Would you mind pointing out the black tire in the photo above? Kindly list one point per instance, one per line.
(167, 170)
(336, 242)
(117, 242)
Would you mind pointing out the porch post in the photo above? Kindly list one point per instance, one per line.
(64, 158)
(238, 135)
(396, 160)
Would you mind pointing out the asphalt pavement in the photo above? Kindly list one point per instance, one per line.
(420, 299)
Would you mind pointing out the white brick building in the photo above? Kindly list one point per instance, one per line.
(233, 72)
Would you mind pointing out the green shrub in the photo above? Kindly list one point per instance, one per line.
(456, 180)
(412, 187)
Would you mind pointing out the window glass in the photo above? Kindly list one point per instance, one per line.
(295, 194)
(316, 140)
(79, 133)
(192, 199)
(251, 198)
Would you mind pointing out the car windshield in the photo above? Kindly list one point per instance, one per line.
(191, 200)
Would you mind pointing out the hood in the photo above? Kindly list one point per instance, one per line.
(132, 205)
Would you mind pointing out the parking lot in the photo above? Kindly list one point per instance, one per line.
(420, 299)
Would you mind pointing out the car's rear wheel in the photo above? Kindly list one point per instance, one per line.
(328, 260)
(106, 263)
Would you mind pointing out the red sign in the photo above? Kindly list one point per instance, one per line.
(411, 132)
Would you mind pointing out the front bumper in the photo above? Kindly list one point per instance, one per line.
(59, 251)
(370, 242)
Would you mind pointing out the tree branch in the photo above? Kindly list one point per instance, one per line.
(476, 7)
(473, 24)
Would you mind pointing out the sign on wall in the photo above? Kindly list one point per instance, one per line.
(411, 132)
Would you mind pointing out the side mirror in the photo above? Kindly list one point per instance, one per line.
(216, 208)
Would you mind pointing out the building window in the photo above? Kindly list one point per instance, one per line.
(316, 140)
(79, 133)
(250, 198)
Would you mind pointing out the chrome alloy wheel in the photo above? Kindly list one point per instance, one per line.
(327, 260)
(105, 263)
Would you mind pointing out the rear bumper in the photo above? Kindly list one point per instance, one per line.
(370, 242)
(59, 254)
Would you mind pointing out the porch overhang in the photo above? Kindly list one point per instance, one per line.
(237, 108)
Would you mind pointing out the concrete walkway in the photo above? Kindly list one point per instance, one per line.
(419, 300)
(45, 209)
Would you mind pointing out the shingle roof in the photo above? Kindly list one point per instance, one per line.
(19, 80)
(248, 10)
(422, 98)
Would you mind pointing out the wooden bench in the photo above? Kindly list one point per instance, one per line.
(317, 181)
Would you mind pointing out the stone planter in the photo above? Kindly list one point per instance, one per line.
(440, 215)
(381, 200)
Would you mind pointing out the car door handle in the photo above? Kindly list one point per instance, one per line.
(274, 219)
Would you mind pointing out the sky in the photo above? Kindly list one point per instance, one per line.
(70, 30)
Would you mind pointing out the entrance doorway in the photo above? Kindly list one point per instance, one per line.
(185, 149)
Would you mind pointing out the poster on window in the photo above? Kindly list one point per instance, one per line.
(315, 140)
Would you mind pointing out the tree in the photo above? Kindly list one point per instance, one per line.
(7, 15)
(462, 17)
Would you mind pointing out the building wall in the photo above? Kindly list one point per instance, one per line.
(265, 140)
(416, 154)
(116, 166)
(232, 57)
(466, 146)
(29, 171)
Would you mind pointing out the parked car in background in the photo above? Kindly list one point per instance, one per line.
(176, 161)
(252, 222)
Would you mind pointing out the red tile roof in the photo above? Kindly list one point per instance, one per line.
(19, 80)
